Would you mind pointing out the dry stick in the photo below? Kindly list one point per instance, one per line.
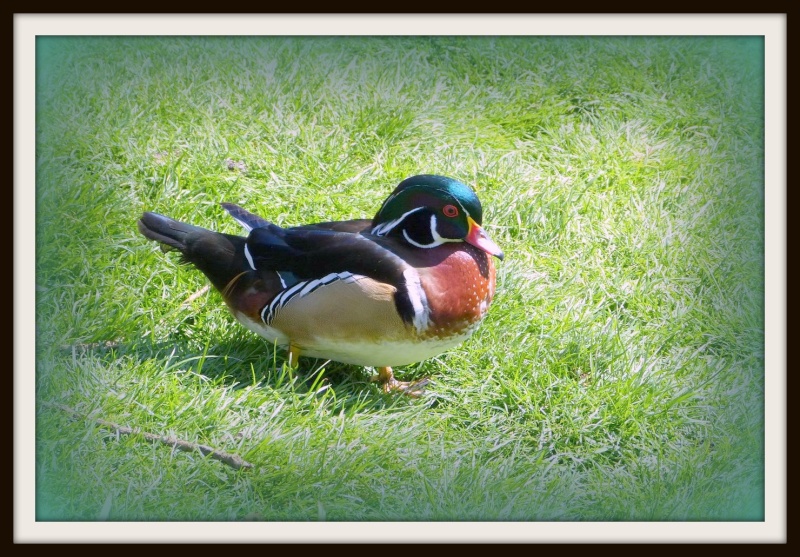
(196, 295)
(235, 461)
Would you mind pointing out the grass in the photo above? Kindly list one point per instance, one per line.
(619, 375)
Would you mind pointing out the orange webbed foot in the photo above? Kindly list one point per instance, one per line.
(389, 384)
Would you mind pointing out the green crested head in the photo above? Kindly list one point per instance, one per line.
(427, 211)
(429, 190)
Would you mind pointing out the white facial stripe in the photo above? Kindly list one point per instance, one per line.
(413, 243)
(250, 258)
(419, 301)
(463, 208)
(388, 199)
(386, 227)
(437, 239)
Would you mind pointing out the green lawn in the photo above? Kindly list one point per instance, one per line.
(619, 375)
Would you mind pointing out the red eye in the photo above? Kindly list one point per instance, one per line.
(450, 211)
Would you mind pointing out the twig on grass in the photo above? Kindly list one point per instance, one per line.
(194, 296)
(232, 460)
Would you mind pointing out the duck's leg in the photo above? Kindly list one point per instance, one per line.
(294, 355)
(389, 383)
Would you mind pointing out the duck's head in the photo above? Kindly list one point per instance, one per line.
(427, 211)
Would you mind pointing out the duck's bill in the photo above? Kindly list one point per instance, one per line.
(477, 237)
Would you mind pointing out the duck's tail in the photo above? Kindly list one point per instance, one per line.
(219, 256)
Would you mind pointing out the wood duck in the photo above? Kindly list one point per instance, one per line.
(414, 281)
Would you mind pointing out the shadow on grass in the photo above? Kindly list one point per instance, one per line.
(248, 361)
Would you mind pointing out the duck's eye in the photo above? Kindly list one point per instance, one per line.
(450, 211)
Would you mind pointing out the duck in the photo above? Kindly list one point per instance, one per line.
(413, 282)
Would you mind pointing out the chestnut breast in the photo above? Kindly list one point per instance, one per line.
(460, 285)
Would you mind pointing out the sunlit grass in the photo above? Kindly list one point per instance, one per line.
(618, 376)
